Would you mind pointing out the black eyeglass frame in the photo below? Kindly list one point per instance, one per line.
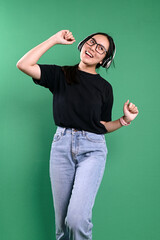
(97, 44)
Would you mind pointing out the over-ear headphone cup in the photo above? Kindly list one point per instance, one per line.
(106, 63)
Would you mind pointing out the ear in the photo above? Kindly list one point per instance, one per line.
(101, 62)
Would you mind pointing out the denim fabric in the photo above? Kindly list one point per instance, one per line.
(77, 164)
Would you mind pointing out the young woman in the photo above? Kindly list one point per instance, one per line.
(82, 107)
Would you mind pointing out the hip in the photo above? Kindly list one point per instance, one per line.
(79, 140)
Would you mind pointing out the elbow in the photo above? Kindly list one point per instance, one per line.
(18, 65)
(107, 130)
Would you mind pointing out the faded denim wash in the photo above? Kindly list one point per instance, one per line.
(77, 164)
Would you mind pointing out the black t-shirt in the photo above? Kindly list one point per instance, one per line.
(81, 106)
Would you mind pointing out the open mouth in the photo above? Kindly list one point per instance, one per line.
(88, 54)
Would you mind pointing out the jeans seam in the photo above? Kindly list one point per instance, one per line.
(96, 191)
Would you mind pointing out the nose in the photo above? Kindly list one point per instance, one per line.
(93, 47)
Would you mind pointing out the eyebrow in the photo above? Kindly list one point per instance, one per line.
(99, 43)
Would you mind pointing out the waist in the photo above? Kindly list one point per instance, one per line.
(72, 130)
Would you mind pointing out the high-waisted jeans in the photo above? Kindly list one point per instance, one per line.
(77, 163)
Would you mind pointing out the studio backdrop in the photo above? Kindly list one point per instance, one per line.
(127, 203)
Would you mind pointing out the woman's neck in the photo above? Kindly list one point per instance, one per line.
(84, 68)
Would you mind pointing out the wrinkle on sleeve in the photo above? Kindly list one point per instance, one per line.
(106, 114)
(49, 77)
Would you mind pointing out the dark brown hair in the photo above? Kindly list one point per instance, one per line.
(71, 73)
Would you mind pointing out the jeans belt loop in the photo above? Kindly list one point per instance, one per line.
(83, 132)
(64, 130)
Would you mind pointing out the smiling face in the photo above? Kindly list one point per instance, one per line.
(91, 62)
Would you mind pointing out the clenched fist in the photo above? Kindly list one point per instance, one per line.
(64, 37)
(130, 111)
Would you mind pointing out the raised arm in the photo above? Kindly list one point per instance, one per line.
(28, 63)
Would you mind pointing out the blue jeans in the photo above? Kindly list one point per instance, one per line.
(77, 163)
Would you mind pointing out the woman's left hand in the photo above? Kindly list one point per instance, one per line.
(130, 111)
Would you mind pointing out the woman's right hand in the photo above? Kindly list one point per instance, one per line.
(64, 37)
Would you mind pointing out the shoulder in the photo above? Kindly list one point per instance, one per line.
(58, 68)
(50, 66)
(106, 84)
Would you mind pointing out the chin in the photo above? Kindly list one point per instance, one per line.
(88, 62)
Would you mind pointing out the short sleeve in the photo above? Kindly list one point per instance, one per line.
(50, 74)
(107, 105)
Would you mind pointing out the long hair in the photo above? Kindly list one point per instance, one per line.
(71, 71)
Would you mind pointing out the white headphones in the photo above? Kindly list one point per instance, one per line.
(106, 62)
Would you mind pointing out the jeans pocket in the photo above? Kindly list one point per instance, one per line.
(93, 137)
(57, 136)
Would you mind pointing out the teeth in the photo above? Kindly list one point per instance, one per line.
(89, 53)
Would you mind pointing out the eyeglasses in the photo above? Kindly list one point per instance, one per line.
(99, 48)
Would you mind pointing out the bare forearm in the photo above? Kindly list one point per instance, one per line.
(114, 125)
(32, 57)
(130, 112)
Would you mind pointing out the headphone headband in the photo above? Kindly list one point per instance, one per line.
(106, 62)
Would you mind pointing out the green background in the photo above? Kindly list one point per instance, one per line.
(127, 206)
